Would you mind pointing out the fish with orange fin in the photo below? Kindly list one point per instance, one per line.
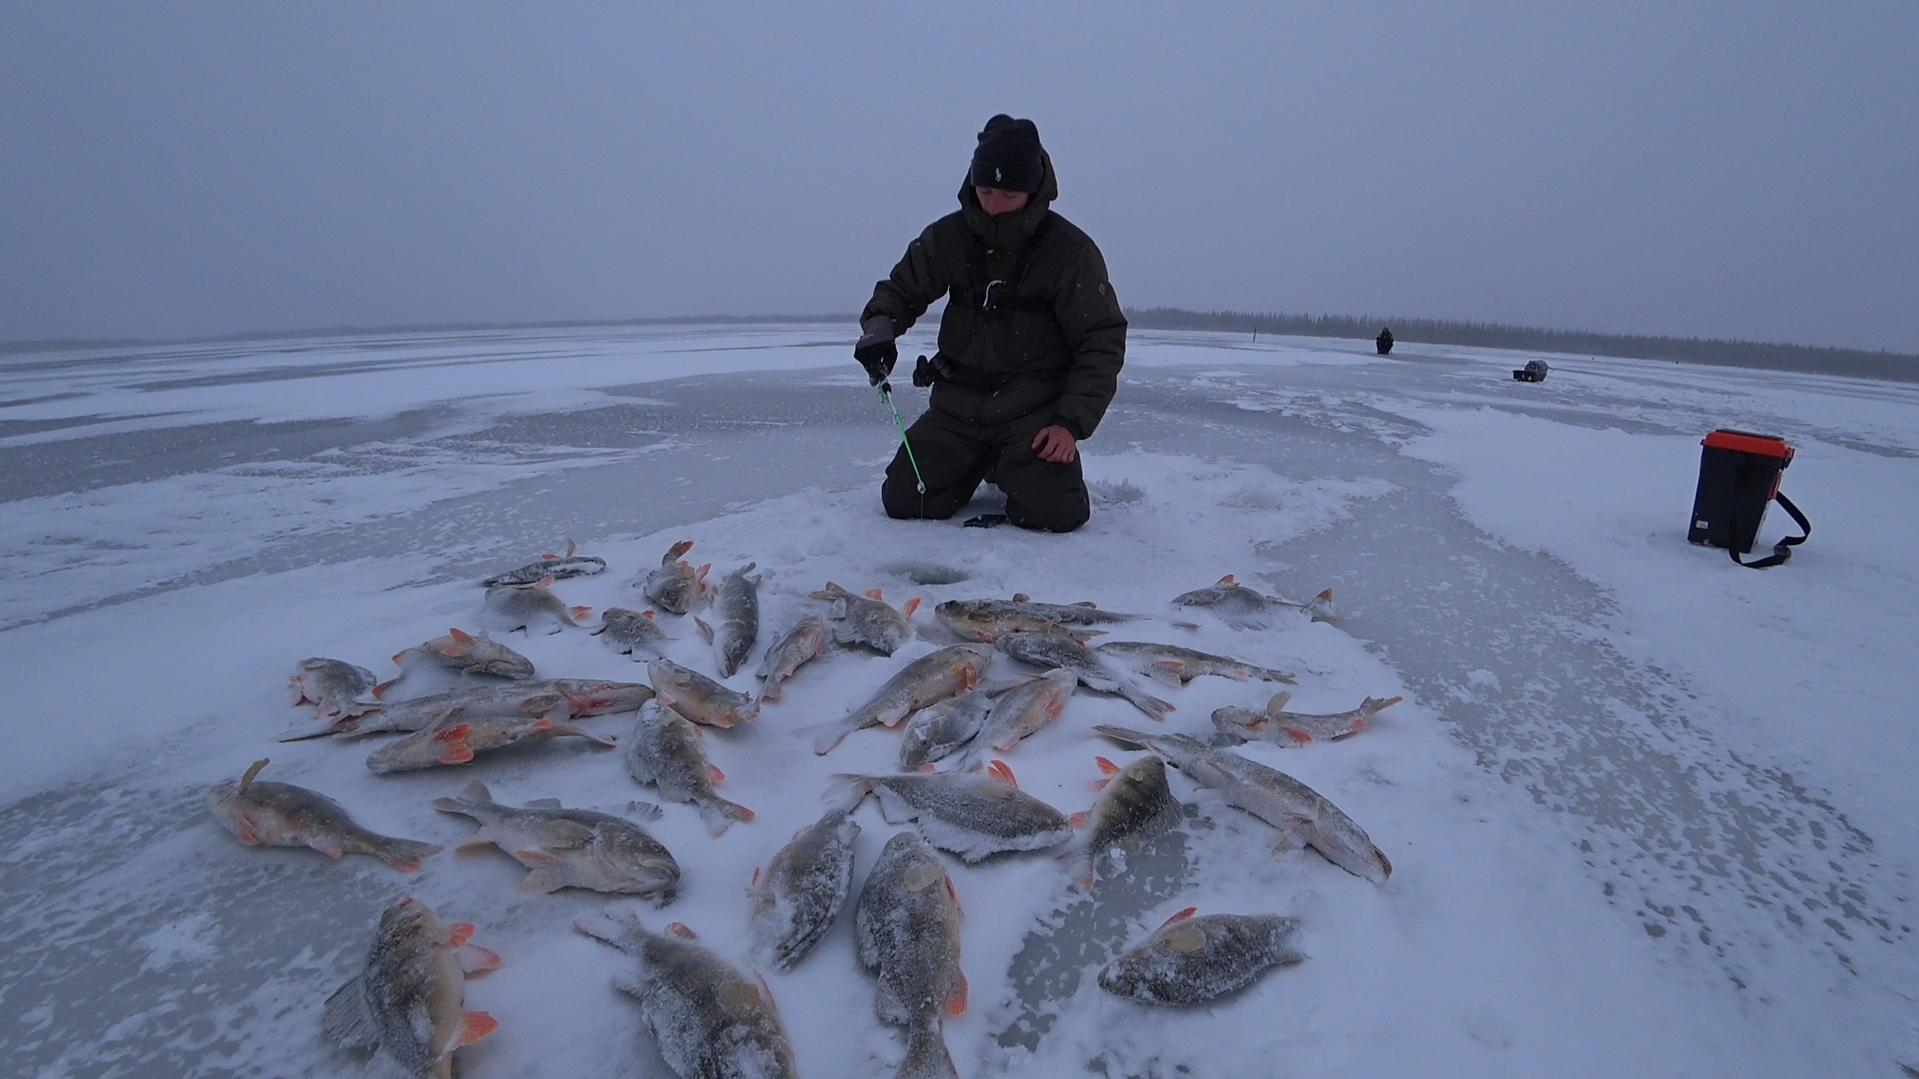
(569, 848)
(800, 890)
(676, 586)
(1135, 803)
(463, 652)
(1193, 959)
(340, 689)
(665, 751)
(1283, 728)
(909, 936)
(1021, 711)
(1302, 814)
(867, 621)
(531, 606)
(1238, 605)
(1174, 666)
(260, 813)
(802, 644)
(406, 1002)
(458, 741)
(947, 672)
(559, 567)
(972, 814)
(632, 633)
(709, 1020)
(698, 697)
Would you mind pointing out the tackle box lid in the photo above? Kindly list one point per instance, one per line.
(1747, 442)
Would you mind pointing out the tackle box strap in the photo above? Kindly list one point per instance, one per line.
(1782, 550)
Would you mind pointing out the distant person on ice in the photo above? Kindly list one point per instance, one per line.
(1030, 346)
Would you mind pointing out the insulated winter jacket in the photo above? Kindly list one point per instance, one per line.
(1048, 332)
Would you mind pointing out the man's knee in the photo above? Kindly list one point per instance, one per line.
(1056, 503)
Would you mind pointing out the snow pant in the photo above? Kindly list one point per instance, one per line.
(955, 457)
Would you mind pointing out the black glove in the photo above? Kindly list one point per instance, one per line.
(876, 351)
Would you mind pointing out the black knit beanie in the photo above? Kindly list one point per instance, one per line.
(1008, 156)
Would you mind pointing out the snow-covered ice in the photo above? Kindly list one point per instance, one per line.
(1648, 812)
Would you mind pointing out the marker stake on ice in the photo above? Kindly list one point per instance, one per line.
(886, 394)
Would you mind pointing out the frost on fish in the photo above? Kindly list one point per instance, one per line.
(944, 727)
(405, 1003)
(568, 848)
(1191, 960)
(666, 752)
(933, 677)
(1054, 651)
(971, 814)
(341, 690)
(463, 652)
(260, 813)
(986, 619)
(907, 926)
(737, 609)
(1135, 804)
(1174, 666)
(1021, 711)
(709, 1020)
(676, 586)
(1238, 605)
(1289, 729)
(866, 621)
(632, 633)
(803, 643)
(555, 699)
(799, 892)
(558, 567)
(459, 741)
(1299, 812)
(698, 697)
(531, 607)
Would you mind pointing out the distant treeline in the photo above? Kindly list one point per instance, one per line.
(1896, 366)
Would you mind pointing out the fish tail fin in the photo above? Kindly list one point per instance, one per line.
(404, 855)
(1127, 737)
(1154, 708)
(472, 796)
(1321, 607)
(719, 815)
(847, 791)
(827, 735)
(926, 1053)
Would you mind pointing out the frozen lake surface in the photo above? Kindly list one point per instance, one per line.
(1649, 813)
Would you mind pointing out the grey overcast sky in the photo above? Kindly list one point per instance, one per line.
(1736, 169)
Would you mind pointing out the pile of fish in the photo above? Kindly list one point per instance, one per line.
(956, 717)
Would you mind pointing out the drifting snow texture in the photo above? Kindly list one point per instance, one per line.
(1649, 812)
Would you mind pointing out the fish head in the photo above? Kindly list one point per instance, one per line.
(639, 865)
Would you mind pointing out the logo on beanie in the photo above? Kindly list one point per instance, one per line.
(997, 175)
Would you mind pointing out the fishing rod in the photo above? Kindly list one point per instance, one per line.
(886, 394)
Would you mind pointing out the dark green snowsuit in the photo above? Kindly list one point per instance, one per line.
(1042, 346)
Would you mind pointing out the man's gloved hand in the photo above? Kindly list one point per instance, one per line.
(876, 351)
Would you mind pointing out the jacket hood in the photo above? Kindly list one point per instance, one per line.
(1016, 226)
